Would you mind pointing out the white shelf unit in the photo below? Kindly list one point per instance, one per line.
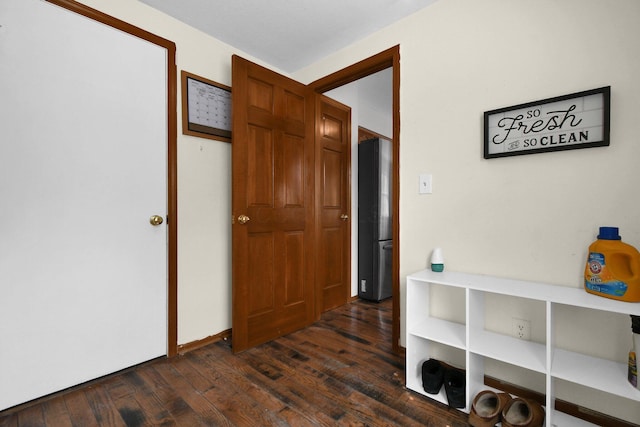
(423, 331)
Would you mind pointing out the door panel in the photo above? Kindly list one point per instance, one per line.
(293, 158)
(333, 142)
(332, 165)
(260, 163)
(261, 251)
(294, 269)
(273, 185)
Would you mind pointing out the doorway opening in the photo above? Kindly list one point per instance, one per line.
(388, 59)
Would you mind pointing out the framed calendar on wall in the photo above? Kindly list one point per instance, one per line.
(206, 108)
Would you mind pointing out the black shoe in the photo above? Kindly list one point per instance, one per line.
(432, 376)
(454, 384)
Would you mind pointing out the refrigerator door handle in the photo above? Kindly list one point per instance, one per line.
(387, 247)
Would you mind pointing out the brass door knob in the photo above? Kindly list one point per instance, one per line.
(243, 219)
(344, 217)
(155, 220)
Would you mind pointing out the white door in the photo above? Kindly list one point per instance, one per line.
(83, 143)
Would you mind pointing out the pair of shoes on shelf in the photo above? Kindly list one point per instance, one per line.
(489, 408)
(434, 375)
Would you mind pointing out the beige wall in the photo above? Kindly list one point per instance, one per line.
(529, 217)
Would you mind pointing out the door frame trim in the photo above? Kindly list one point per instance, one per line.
(172, 165)
(389, 58)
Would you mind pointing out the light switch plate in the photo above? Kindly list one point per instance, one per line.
(425, 184)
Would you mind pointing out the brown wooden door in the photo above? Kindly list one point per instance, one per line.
(273, 205)
(333, 154)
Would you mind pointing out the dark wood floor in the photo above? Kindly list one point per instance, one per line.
(339, 371)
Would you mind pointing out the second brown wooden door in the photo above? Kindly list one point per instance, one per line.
(333, 158)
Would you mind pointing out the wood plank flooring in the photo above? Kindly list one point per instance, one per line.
(338, 372)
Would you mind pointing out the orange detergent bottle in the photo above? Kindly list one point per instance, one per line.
(613, 267)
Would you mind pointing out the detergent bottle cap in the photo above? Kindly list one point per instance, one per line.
(609, 233)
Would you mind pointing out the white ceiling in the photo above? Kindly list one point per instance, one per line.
(289, 34)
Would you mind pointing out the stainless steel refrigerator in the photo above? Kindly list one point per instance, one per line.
(375, 245)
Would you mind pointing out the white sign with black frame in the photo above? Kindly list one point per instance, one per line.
(578, 120)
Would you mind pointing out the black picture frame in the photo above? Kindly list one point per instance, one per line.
(568, 122)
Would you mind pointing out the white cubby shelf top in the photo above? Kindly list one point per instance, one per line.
(539, 291)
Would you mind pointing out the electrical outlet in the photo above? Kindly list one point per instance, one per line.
(521, 328)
